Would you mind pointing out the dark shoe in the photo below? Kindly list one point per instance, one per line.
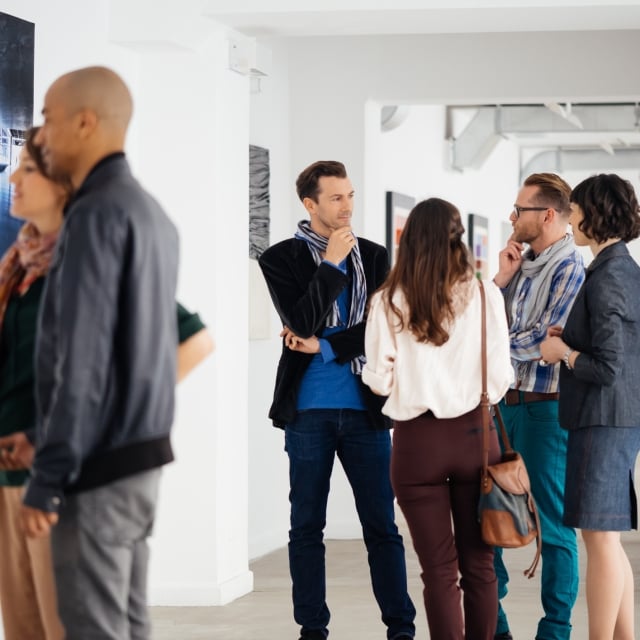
(403, 637)
(312, 635)
(503, 636)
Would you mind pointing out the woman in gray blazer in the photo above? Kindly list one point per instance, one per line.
(600, 397)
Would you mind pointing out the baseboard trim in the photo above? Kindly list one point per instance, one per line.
(200, 594)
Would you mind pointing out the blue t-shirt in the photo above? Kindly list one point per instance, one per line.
(326, 383)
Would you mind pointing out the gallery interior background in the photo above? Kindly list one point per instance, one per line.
(194, 120)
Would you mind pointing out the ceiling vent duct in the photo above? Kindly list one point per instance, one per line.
(595, 160)
(603, 126)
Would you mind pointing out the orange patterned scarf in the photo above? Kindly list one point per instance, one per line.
(26, 260)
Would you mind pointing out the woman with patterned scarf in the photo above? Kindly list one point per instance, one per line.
(27, 589)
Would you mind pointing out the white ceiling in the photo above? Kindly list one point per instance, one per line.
(304, 18)
(309, 18)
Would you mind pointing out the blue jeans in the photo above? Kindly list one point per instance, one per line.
(534, 432)
(312, 441)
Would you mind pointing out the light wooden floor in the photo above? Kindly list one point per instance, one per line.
(265, 614)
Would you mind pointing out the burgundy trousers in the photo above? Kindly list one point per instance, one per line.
(435, 472)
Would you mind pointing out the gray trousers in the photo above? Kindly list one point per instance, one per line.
(100, 557)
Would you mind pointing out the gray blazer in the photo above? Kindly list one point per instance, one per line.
(603, 389)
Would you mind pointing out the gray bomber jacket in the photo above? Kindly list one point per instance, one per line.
(106, 340)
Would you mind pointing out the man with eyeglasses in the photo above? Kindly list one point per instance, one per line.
(539, 285)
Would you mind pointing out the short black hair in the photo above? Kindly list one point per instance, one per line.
(610, 208)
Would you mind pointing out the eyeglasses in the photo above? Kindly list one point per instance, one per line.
(518, 210)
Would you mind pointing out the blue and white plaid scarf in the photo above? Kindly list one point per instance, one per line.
(318, 245)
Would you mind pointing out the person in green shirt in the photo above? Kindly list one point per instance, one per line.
(27, 588)
(195, 342)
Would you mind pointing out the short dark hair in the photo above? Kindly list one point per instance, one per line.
(610, 208)
(553, 191)
(307, 182)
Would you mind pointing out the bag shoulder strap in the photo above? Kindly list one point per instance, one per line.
(486, 421)
(484, 398)
(506, 443)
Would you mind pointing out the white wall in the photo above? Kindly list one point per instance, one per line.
(193, 155)
(268, 466)
(188, 145)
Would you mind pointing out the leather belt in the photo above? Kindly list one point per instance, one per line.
(514, 396)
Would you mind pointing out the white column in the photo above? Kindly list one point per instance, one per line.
(190, 145)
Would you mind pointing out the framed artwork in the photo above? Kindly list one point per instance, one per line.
(260, 308)
(398, 207)
(507, 231)
(258, 200)
(478, 235)
(16, 110)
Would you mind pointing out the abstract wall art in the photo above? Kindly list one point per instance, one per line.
(258, 200)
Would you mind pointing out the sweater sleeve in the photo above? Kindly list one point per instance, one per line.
(608, 310)
(380, 349)
(188, 323)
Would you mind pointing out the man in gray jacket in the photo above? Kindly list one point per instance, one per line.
(105, 364)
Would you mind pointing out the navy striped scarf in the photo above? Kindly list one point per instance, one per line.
(318, 245)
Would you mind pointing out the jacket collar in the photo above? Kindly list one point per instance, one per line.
(615, 250)
(113, 163)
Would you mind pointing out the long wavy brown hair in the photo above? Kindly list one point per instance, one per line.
(431, 260)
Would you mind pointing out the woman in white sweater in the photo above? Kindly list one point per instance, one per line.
(423, 351)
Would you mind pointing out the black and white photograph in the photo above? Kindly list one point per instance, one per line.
(258, 200)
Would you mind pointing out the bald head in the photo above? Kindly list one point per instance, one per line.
(87, 113)
(100, 90)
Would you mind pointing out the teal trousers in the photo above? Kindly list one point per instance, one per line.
(534, 432)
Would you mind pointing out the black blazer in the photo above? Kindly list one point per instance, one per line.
(303, 295)
(604, 325)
